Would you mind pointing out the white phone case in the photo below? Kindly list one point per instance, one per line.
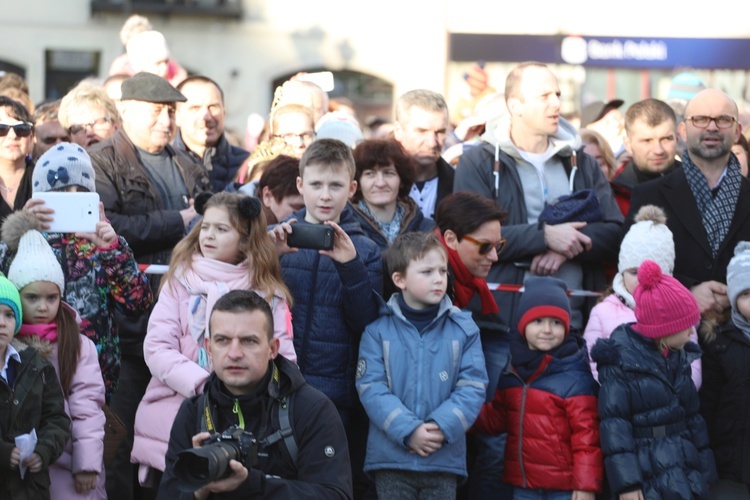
(74, 212)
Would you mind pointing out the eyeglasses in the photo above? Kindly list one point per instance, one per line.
(99, 124)
(486, 246)
(723, 121)
(20, 129)
(304, 137)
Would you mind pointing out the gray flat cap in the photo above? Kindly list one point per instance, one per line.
(150, 88)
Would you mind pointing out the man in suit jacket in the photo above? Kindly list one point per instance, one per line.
(421, 125)
(707, 202)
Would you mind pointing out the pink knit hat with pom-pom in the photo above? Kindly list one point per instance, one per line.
(663, 306)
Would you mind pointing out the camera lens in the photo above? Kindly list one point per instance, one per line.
(197, 467)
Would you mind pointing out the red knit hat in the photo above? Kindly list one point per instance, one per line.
(663, 306)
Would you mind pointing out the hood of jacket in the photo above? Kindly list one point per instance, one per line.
(564, 141)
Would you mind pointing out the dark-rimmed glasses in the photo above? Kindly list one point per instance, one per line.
(486, 246)
(20, 129)
(722, 121)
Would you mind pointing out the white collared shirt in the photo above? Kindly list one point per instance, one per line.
(426, 198)
(10, 352)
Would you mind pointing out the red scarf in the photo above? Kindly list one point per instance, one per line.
(44, 332)
(466, 285)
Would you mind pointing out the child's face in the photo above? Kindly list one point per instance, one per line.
(425, 280)
(218, 239)
(7, 327)
(630, 279)
(326, 190)
(677, 340)
(544, 334)
(40, 301)
(743, 304)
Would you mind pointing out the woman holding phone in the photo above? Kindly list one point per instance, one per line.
(16, 143)
(101, 275)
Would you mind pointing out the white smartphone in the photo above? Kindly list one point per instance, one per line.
(74, 212)
(323, 79)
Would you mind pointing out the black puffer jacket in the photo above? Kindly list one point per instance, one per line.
(321, 469)
(35, 402)
(725, 402)
(652, 433)
(222, 161)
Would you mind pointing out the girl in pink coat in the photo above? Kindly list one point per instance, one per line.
(648, 238)
(53, 327)
(228, 250)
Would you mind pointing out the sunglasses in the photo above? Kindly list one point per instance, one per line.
(485, 246)
(21, 129)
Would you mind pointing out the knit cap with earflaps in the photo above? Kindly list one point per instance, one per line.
(663, 306)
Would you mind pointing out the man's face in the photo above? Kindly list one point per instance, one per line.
(295, 129)
(422, 134)
(91, 125)
(710, 142)
(538, 110)
(46, 135)
(240, 350)
(653, 148)
(201, 118)
(149, 125)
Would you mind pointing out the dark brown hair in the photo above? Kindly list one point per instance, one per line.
(374, 153)
(280, 175)
(463, 213)
(68, 345)
(408, 247)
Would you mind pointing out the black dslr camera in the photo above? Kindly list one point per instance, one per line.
(197, 467)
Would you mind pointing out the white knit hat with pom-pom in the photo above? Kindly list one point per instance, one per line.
(648, 239)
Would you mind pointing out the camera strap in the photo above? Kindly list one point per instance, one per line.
(285, 432)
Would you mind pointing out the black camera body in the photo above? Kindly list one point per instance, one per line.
(196, 467)
(314, 236)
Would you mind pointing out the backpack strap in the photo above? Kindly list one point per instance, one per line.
(285, 433)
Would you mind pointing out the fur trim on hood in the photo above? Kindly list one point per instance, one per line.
(43, 347)
(16, 225)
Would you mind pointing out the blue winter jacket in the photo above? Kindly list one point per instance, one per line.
(405, 378)
(333, 303)
(652, 434)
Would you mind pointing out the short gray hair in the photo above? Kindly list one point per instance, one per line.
(421, 98)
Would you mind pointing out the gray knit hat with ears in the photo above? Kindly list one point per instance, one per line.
(61, 166)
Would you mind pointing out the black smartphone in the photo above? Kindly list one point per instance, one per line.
(314, 236)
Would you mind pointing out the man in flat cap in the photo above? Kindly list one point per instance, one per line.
(147, 189)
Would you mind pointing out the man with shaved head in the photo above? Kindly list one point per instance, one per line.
(707, 202)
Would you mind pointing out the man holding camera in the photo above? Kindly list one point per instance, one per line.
(289, 441)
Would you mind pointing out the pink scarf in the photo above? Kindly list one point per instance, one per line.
(206, 281)
(45, 332)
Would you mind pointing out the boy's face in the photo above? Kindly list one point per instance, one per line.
(743, 304)
(325, 191)
(425, 281)
(544, 334)
(7, 327)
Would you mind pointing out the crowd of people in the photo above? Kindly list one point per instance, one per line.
(511, 306)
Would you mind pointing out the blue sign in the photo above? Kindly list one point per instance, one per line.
(709, 53)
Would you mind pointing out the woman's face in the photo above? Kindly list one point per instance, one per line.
(741, 155)
(12, 147)
(380, 185)
(478, 265)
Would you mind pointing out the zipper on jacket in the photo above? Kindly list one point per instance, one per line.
(520, 434)
(238, 411)
(308, 316)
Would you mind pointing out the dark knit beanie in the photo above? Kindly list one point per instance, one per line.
(543, 297)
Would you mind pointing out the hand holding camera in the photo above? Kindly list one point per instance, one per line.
(217, 463)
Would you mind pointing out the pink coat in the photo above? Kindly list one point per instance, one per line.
(84, 451)
(171, 354)
(611, 313)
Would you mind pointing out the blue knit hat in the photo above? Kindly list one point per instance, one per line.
(9, 296)
(61, 166)
(543, 297)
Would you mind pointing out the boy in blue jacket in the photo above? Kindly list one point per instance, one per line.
(421, 377)
(335, 291)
